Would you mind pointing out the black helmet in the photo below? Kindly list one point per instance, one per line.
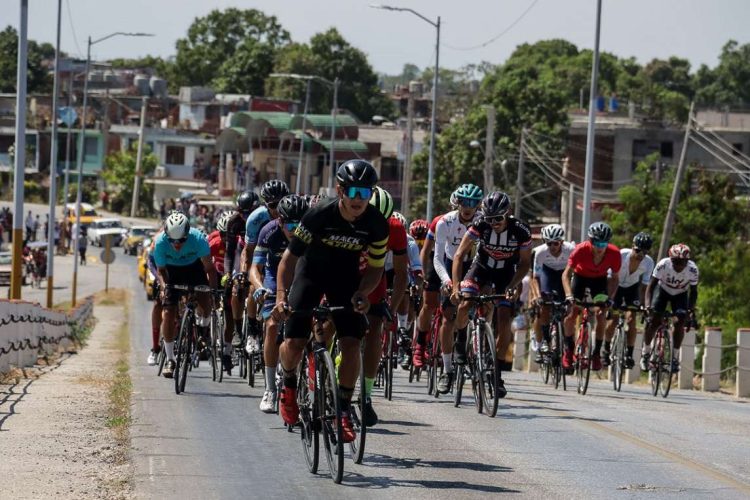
(600, 231)
(643, 241)
(273, 190)
(496, 203)
(358, 173)
(247, 200)
(292, 208)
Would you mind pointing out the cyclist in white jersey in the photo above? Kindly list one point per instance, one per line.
(635, 274)
(674, 282)
(550, 260)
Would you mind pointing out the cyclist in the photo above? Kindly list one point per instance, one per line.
(247, 201)
(502, 260)
(182, 256)
(272, 192)
(323, 257)
(156, 310)
(594, 266)
(550, 260)
(635, 273)
(418, 230)
(674, 282)
(405, 311)
(414, 265)
(397, 247)
(449, 232)
(217, 243)
(272, 242)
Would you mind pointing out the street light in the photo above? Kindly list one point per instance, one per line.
(77, 234)
(431, 168)
(335, 85)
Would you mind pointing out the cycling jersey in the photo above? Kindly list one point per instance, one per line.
(255, 222)
(218, 249)
(448, 234)
(581, 260)
(235, 239)
(673, 282)
(544, 258)
(433, 227)
(499, 250)
(412, 250)
(271, 245)
(397, 245)
(642, 274)
(194, 248)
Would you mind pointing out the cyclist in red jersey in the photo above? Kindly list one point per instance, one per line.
(217, 243)
(594, 266)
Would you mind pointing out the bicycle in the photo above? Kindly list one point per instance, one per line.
(551, 366)
(254, 362)
(660, 362)
(584, 345)
(384, 376)
(619, 348)
(187, 335)
(217, 338)
(434, 359)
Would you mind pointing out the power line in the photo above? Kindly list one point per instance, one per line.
(498, 36)
(73, 29)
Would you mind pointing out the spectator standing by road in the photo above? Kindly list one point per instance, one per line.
(82, 245)
(29, 223)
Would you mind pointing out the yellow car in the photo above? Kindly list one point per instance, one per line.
(88, 214)
(135, 238)
(150, 284)
(143, 259)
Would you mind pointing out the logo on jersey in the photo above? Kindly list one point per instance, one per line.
(303, 234)
(345, 242)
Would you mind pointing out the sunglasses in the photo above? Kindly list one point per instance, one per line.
(272, 205)
(352, 192)
(554, 243)
(640, 250)
(679, 261)
(291, 226)
(495, 219)
(180, 240)
(468, 203)
(599, 244)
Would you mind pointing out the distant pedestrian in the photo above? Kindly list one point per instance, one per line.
(37, 224)
(82, 245)
(29, 223)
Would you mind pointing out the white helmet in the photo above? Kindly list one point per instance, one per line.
(221, 225)
(401, 219)
(553, 232)
(176, 226)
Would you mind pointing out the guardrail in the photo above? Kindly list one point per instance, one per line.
(28, 330)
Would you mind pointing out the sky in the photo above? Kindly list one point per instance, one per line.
(646, 29)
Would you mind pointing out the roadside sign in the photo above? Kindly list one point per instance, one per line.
(107, 256)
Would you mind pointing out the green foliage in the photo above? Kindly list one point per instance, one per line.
(119, 173)
(223, 44)
(727, 84)
(38, 79)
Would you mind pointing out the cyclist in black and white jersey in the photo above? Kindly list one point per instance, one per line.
(502, 260)
(550, 260)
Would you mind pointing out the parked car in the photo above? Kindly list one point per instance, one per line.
(134, 238)
(6, 266)
(88, 214)
(100, 228)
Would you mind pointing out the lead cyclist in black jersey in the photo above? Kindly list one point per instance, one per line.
(323, 260)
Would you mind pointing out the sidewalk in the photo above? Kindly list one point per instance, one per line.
(53, 435)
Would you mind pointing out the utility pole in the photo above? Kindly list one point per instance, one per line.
(564, 198)
(139, 159)
(489, 151)
(334, 112)
(67, 142)
(406, 181)
(433, 123)
(519, 177)
(302, 139)
(675, 199)
(20, 153)
(53, 167)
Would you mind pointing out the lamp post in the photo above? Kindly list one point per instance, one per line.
(335, 84)
(431, 167)
(80, 152)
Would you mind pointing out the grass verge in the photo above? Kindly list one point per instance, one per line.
(121, 386)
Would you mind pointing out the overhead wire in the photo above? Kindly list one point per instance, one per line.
(496, 37)
(73, 29)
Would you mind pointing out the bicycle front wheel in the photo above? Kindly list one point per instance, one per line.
(357, 409)
(583, 358)
(329, 409)
(655, 362)
(388, 393)
(665, 366)
(184, 353)
(308, 411)
(215, 350)
(488, 371)
(618, 358)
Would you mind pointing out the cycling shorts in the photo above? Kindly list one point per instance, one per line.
(550, 281)
(596, 286)
(660, 299)
(628, 296)
(192, 275)
(479, 276)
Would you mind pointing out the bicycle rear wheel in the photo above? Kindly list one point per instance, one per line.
(583, 358)
(184, 352)
(665, 367)
(215, 351)
(357, 409)
(655, 362)
(388, 374)
(329, 409)
(309, 426)
(618, 358)
(162, 358)
(488, 371)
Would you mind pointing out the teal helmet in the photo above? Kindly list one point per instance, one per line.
(470, 194)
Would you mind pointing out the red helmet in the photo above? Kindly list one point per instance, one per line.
(418, 229)
(679, 251)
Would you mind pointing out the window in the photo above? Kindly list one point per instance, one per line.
(666, 149)
(90, 146)
(175, 155)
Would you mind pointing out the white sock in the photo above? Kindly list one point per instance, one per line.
(169, 350)
(403, 320)
(448, 362)
(271, 378)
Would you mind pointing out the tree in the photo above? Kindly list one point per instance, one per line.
(727, 84)
(38, 78)
(119, 174)
(214, 40)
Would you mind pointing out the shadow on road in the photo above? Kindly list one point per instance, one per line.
(380, 460)
(381, 482)
(404, 423)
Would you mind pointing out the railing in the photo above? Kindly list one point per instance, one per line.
(28, 330)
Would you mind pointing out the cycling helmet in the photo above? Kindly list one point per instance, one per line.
(553, 232)
(223, 222)
(418, 229)
(469, 192)
(401, 218)
(679, 251)
(247, 200)
(643, 241)
(177, 226)
(382, 200)
(496, 203)
(454, 200)
(292, 208)
(358, 173)
(600, 231)
(273, 190)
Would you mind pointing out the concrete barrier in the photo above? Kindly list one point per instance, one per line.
(742, 388)
(519, 348)
(711, 360)
(687, 361)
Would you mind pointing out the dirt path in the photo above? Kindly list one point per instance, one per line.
(54, 434)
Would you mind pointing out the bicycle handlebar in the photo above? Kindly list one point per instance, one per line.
(481, 299)
(192, 288)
